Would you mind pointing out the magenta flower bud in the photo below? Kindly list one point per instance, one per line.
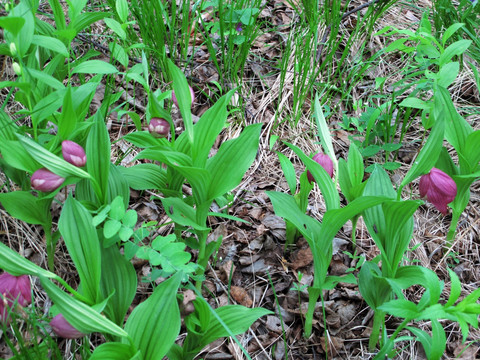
(439, 188)
(62, 328)
(44, 180)
(325, 161)
(174, 98)
(73, 153)
(159, 128)
(14, 288)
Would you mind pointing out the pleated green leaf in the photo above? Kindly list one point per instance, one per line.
(155, 324)
(24, 206)
(181, 213)
(288, 172)
(15, 264)
(118, 277)
(81, 316)
(114, 351)
(236, 318)
(429, 154)
(144, 176)
(184, 98)
(325, 183)
(81, 239)
(208, 128)
(232, 161)
(49, 160)
(98, 156)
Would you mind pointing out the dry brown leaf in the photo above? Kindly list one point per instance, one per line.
(240, 295)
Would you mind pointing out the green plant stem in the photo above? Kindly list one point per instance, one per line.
(51, 245)
(73, 292)
(313, 295)
(324, 315)
(202, 235)
(202, 256)
(453, 227)
(378, 320)
(354, 230)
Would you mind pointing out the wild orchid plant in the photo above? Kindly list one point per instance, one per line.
(389, 220)
(94, 222)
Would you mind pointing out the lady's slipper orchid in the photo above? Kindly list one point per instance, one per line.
(439, 188)
(174, 98)
(159, 127)
(44, 180)
(14, 288)
(325, 161)
(73, 153)
(62, 328)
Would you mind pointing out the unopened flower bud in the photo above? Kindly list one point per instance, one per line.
(13, 288)
(439, 188)
(13, 49)
(159, 128)
(44, 180)
(174, 98)
(73, 153)
(17, 69)
(62, 328)
(325, 161)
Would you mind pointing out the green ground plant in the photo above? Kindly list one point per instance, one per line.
(389, 220)
(63, 144)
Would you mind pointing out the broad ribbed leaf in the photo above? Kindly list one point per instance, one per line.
(232, 161)
(114, 351)
(24, 206)
(455, 289)
(428, 156)
(324, 131)
(94, 67)
(155, 324)
(398, 229)
(208, 128)
(50, 43)
(400, 308)
(68, 118)
(81, 316)
(184, 99)
(356, 168)
(236, 317)
(144, 139)
(287, 208)
(8, 127)
(374, 288)
(407, 276)
(98, 156)
(81, 239)
(144, 176)
(49, 160)
(117, 185)
(288, 172)
(344, 181)
(472, 150)
(333, 220)
(378, 184)
(457, 128)
(181, 213)
(325, 183)
(454, 49)
(17, 265)
(118, 277)
(434, 346)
